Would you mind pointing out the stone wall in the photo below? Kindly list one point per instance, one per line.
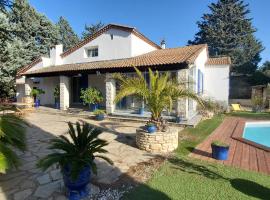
(159, 142)
(110, 94)
(64, 92)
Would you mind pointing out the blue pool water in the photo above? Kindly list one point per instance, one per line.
(258, 132)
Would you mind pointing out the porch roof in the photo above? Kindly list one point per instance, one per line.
(183, 55)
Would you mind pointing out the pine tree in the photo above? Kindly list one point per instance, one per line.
(67, 36)
(228, 31)
(91, 29)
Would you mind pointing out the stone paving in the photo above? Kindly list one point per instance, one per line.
(31, 183)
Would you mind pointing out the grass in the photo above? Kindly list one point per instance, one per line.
(182, 177)
(251, 115)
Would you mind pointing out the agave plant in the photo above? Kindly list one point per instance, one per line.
(12, 135)
(160, 94)
(77, 151)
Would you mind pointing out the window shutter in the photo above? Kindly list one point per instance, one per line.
(199, 81)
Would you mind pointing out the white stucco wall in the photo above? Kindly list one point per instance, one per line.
(116, 48)
(138, 46)
(47, 84)
(217, 82)
(99, 83)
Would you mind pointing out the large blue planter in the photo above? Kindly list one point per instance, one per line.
(77, 189)
(151, 128)
(220, 152)
(100, 117)
(141, 111)
(37, 103)
(93, 107)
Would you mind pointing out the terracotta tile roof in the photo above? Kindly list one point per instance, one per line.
(185, 54)
(219, 61)
(27, 67)
(106, 28)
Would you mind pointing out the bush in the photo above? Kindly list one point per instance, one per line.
(91, 96)
(211, 106)
(99, 112)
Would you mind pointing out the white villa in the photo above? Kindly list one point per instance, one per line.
(117, 48)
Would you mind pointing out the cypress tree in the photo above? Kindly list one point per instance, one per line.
(67, 36)
(228, 31)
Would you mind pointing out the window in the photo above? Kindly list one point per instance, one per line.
(93, 52)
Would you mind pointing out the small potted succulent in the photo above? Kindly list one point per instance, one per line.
(56, 94)
(35, 93)
(220, 150)
(92, 97)
(151, 127)
(99, 114)
(75, 155)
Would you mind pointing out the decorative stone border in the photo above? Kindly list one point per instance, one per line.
(159, 142)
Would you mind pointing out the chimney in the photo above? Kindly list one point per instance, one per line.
(163, 44)
(55, 53)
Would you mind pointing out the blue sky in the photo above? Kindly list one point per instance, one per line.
(174, 20)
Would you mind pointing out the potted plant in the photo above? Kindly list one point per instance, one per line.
(92, 97)
(56, 94)
(159, 93)
(76, 157)
(151, 127)
(35, 93)
(99, 114)
(220, 150)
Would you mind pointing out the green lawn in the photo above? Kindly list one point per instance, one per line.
(184, 178)
(251, 115)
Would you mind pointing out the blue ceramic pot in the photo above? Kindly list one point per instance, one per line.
(141, 111)
(178, 119)
(93, 107)
(151, 128)
(220, 152)
(100, 117)
(37, 103)
(57, 105)
(77, 189)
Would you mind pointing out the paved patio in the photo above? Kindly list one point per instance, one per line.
(28, 182)
(242, 154)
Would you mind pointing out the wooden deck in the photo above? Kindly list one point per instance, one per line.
(242, 154)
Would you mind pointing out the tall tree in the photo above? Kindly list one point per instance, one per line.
(67, 36)
(228, 31)
(32, 36)
(91, 29)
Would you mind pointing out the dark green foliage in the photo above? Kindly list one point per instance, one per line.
(67, 36)
(91, 29)
(228, 31)
(27, 36)
(259, 78)
(78, 151)
(12, 135)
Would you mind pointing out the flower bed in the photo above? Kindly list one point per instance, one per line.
(158, 142)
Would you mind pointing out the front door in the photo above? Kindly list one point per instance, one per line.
(78, 83)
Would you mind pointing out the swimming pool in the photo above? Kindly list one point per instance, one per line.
(258, 132)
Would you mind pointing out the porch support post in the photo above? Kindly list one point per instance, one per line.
(182, 104)
(27, 87)
(64, 92)
(110, 93)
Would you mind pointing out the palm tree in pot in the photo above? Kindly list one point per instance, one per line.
(75, 155)
(159, 95)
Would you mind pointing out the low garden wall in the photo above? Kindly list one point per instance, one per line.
(158, 142)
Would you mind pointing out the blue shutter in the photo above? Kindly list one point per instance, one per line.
(199, 81)
(202, 82)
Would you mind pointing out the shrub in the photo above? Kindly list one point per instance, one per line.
(91, 96)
